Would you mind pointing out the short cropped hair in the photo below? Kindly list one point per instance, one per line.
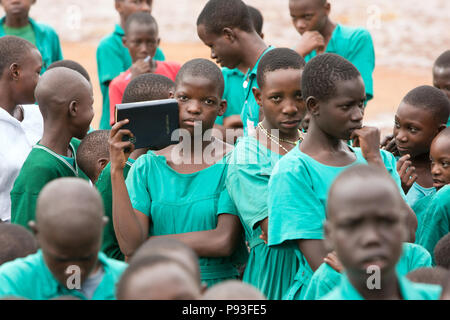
(323, 72)
(443, 61)
(16, 242)
(13, 49)
(220, 14)
(435, 275)
(142, 18)
(277, 59)
(93, 147)
(71, 65)
(204, 69)
(442, 252)
(257, 19)
(147, 87)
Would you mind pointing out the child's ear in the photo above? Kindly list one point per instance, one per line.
(257, 94)
(73, 109)
(33, 226)
(229, 34)
(261, 35)
(442, 127)
(171, 94)
(328, 235)
(14, 71)
(222, 108)
(312, 105)
(158, 42)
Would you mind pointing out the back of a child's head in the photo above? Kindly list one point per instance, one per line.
(436, 275)
(278, 59)
(147, 87)
(220, 14)
(13, 50)
(71, 65)
(257, 19)
(443, 61)
(442, 252)
(233, 290)
(16, 242)
(93, 149)
(142, 19)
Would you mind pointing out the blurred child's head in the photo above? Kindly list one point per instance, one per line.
(65, 97)
(279, 79)
(442, 252)
(127, 7)
(157, 277)
(334, 93)
(257, 20)
(71, 65)
(420, 116)
(219, 25)
(441, 73)
(141, 35)
(17, 9)
(199, 89)
(309, 15)
(148, 87)
(20, 66)
(435, 275)
(440, 159)
(93, 153)
(69, 224)
(366, 220)
(16, 242)
(233, 290)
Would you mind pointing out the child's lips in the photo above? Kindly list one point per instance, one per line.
(438, 183)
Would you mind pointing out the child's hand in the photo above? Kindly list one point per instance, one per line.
(140, 67)
(263, 236)
(119, 150)
(311, 40)
(407, 173)
(389, 145)
(368, 139)
(333, 261)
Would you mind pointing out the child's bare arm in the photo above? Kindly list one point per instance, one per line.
(314, 252)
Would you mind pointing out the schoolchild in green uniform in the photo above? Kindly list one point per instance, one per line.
(441, 74)
(280, 97)
(179, 192)
(334, 93)
(93, 154)
(145, 87)
(65, 100)
(366, 226)
(226, 27)
(68, 227)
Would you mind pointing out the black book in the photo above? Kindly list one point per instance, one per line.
(152, 122)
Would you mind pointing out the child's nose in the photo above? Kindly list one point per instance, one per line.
(194, 107)
(435, 170)
(145, 6)
(290, 107)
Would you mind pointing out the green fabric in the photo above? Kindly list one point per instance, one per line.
(233, 93)
(408, 290)
(113, 58)
(110, 246)
(270, 270)
(325, 279)
(298, 191)
(26, 32)
(180, 203)
(417, 192)
(355, 45)
(47, 42)
(250, 109)
(30, 278)
(41, 166)
(434, 219)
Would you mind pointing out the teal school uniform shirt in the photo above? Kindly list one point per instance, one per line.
(250, 109)
(180, 203)
(298, 191)
(233, 93)
(112, 59)
(41, 166)
(30, 278)
(110, 246)
(417, 192)
(26, 32)
(325, 279)
(270, 270)
(355, 45)
(47, 42)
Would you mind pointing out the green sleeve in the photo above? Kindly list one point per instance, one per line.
(109, 62)
(391, 166)
(323, 281)
(137, 185)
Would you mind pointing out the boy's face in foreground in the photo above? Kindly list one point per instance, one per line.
(128, 7)
(441, 79)
(30, 69)
(414, 130)
(17, 8)
(440, 161)
(365, 226)
(308, 15)
(141, 40)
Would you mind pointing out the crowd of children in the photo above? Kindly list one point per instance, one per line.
(308, 203)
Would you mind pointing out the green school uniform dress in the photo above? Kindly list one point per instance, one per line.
(298, 191)
(46, 40)
(270, 270)
(417, 192)
(233, 93)
(41, 166)
(30, 278)
(110, 246)
(325, 279)
(355, 45)
(433, 215)
(250, 109)
(180, 203)
(113, 58)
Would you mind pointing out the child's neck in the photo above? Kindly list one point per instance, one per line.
(6, 101)
(327, 30)
(388, 289)
(16, 22)
(255, 47)
(422, 164)
(57, 139)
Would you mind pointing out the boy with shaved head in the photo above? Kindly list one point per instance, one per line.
(65, 99)
(68, 226)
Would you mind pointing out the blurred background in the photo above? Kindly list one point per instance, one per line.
(408, 36)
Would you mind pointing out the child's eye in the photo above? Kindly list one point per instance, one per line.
(275, 99)
(413, 130)
(182, 98)
(209, 101)
(445, 164)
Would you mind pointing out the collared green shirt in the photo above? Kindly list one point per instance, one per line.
(233, 93)
(26, 32)
(47, 42)
(409, 291)
(30, 278)
(112, 59)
